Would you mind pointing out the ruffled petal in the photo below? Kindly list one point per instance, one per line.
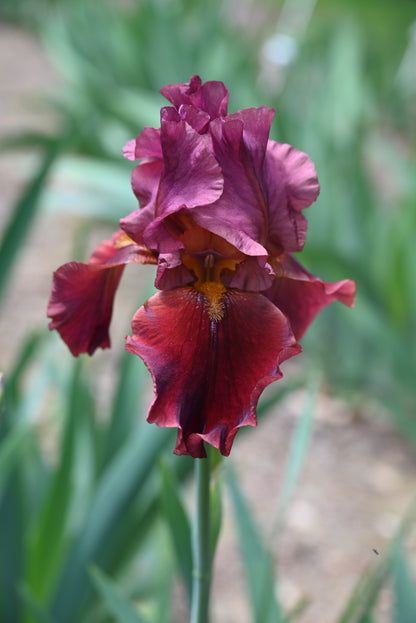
(241, 214)
(146, 145)
(208, 374)
(301, 296)
(290, 185)
(191, 177)
(81, 301)
(211, 97)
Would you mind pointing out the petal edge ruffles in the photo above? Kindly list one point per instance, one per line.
(208, 375)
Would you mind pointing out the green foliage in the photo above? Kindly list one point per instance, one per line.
(85, 529)
(257, 559)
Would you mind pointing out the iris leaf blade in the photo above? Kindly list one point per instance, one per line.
(117, 605)
(257, 559)
(179, 526)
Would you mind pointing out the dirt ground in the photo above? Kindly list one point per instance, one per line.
(359, 475)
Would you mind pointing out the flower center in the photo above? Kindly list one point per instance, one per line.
(207, 268)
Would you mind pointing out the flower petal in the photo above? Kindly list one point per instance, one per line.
(290, 185)
(240, 215)
(301, 296)
(81, 301)
(146, 145)
(208, 374)
(191, 176)
(211, 97)
(145, 183)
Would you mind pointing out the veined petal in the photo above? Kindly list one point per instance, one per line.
(81, 301)
(301, 296)
(191, 175)
(240, 215)
(208, 374)
(290, 185)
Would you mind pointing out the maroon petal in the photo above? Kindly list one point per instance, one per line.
(290, 185)
(301, 296)
(208, 374)
(81, 301)
(211, 97)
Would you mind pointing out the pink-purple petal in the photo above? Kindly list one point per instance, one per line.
(146, 145)
(211, 97)
(290, 185)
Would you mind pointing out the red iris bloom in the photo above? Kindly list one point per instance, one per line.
(220, 214)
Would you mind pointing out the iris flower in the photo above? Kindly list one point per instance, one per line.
(220, 215)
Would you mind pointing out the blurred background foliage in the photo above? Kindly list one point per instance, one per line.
(342, 78)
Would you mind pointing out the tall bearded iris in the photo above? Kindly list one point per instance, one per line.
(220, 214)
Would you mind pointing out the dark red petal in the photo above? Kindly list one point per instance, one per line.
(81, 305)
(81, 301)
(301, 296)
(208, 375)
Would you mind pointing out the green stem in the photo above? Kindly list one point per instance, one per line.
(202, 557)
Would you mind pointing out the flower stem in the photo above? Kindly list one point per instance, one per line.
(202, 556)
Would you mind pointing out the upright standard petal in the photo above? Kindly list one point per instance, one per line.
(191, 177)
(209, 373)
(290, 184)
(211, 97)
(301, 296)
(81, 302)
(240, 215)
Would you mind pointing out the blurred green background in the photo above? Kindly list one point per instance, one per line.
(82, 480)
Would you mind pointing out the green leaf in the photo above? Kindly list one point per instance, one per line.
(404, 588)
(125, 405)
(117, 605)
(26, 208)
(125, 478)
(297, 453)
(179, 527)
(216, 511)
(257, 559)
(38, 613)
(12, 448)
(49, 539)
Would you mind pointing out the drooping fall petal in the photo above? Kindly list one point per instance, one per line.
(81, 301)
(301, 296)
(208, 374)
